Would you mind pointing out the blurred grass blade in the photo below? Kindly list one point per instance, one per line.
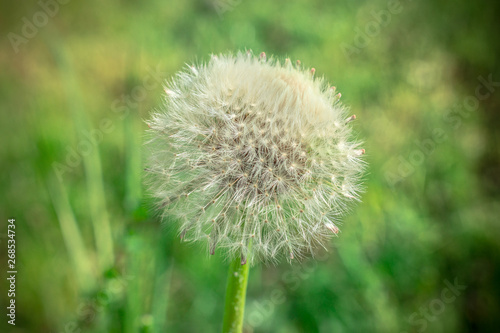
(160, 296)
(98, 211)
(91, 162)
(140, 262)
(71, 233)
(132, 162)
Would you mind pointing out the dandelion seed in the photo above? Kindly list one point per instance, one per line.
(359, 152)
(351, 118)
(332, 227)
(254, 143)
(171, 93)
(194, 70)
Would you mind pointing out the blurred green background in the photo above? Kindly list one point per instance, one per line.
(78, 82)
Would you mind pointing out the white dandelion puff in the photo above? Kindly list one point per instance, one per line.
(250, 150)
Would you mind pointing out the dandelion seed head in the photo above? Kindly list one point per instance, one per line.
(250, 150)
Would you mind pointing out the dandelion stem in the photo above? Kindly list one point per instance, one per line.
(235, 296)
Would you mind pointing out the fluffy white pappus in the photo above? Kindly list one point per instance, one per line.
(254, 157)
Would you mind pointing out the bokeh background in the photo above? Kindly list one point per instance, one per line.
(79, 78)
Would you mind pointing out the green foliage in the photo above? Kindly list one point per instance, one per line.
(93, 257)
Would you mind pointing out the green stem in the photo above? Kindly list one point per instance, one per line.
(235, 297)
